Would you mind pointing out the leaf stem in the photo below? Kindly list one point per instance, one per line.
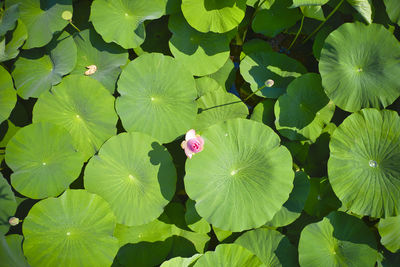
(298, 33)
(70, 22)
(259, 89)
(322, 23)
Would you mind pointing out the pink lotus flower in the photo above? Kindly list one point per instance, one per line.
(193, 143)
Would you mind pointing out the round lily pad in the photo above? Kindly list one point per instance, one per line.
(201, 53)
(8, 205)
(37, 70)
(304, 110)
(43, 159)
(363, 167)
(228, 255)
(122, 21)
(206, 84)
(108, 58)
(271, 22)
(135, 174)
(8, 96)
(42, 19)
(389, 229)
(218, 106)
(359, 66)
(212, 15)
(293, 207)
(270, 246)
(83, 107)
(75, 229)
(259, 67)
(338, 240)
(157, 97)
(242, 175)
(12, 42)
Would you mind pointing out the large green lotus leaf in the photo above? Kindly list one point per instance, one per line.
(75, 229)
(364, 167)
(242, 175)
(206, 84)
(364, 8)
(8, 205)
(225, 76)
(321, 199)
(135, 174)
(8, 96)
(229, 255)
(122, 21)
(157, 97)
(201, 53)
(214, 15)
(259, 67)
(255, 45)
(218, 106)
(271, 22)
(38, 69)
(359, 66)
(8, 19)
(108, 58)
(83, 107)
(12, 41)
(338, 240)
(11, 251)
(193, 219)
(43, 159)
(293, 207)
(264, 112)
(297, 3)
(42, 19)
(389, 229)
(270, 246)
(304, 110)
(180, 262)
(393, 10)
